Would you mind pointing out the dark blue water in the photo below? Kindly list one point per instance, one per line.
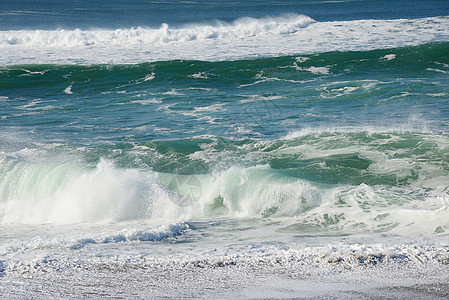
(85, 14)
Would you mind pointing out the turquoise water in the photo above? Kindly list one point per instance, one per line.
(261, 99)
(267, 124)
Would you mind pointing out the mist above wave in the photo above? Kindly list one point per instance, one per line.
(239, 29)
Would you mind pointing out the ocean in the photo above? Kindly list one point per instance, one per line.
(202, 149)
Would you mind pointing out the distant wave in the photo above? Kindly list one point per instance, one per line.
(288, 34)
(239, 29)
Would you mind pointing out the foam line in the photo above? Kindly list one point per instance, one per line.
(244, 38)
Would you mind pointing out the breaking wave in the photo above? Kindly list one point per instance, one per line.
(243, 38)
(296, 180)
(239, 29)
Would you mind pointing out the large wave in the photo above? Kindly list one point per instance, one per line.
(395, 183)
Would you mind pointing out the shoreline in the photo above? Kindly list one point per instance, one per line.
(172, 278)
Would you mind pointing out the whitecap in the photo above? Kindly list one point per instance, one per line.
(68, 90)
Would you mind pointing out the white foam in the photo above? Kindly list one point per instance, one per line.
(33, 72)
(437, 70)
(60, 194)
(200, 75)
(338, 89)
(35, 192)
(241, 28)
(173, 92)
(388, 57)
(338, 270)
(149, 77)
(255, 98)
(148, 101)
(384, 261)
(243, 38)
(302, 59)
(130, 234)
(68, 90)
(211, 108)
(415, 126)
(318, 70)
(438, 95)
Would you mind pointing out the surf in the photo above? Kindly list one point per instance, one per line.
(313, 183)
(288, 34)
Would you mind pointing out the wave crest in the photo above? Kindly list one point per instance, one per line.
(240, 28)
(64, 194)
(244, 38)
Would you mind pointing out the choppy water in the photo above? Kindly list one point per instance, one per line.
(256, 129)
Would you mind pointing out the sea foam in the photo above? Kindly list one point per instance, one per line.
(239, 29)
(244, 38)
(64, 194)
